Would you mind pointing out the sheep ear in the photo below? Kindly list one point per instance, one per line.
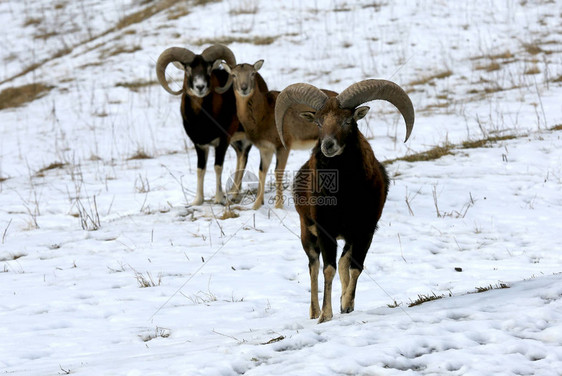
(308, 116)
(360, 112)
(258, 64)
(178, 65)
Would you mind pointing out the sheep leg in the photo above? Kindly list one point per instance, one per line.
(348, 297)
(265, 160)
(313, 269)
(282, 156)
(220, 152)
(343, 268)
(309, 244)
(356, 258)
(328, 246)
(242, 148)
(202, 154)
(326, 315)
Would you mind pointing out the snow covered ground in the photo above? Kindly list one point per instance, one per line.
(104, 269)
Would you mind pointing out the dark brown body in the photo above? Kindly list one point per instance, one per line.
(350, 210)
(351, 207)
(211, 119)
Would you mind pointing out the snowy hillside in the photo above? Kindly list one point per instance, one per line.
(106, 270)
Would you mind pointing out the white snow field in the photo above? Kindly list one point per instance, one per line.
(106, 270)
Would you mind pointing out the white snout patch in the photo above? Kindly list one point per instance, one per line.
(199, 88)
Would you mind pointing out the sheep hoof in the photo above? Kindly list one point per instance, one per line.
(257, 205)
(220, 198)
(235, 197)
(324, 318)
(346, 305)
(197, 201)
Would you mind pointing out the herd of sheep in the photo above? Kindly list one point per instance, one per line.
(224, 103)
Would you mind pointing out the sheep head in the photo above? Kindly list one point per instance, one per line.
(243, 76)
(197, 68)
(337, 117)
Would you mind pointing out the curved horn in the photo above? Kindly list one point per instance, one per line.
(220, 52)
(369, 90)
(297, 94)
(183, 55)
(224, 89)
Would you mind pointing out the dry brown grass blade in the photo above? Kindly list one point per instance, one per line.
(20, 95)
(425, 298)
(439, 151)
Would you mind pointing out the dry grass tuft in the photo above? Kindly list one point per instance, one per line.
(45, 34)
(157, 7)
(485, 142)
(258, 41)
(432, 154)
(557, 127)
(20, 95)
(502, 55)
(447, 149)
(532, 70)
(500, 285)
(424, 298)
(180, 11)
(427, 79)
(147, 281)
(136, 85)
(532, 48)
(117, 50)
(52, 166)
(12, 256)
(32, 21)
(229, 213)
(490, 67)
(144, 14)
(140, 154)
(205, 2)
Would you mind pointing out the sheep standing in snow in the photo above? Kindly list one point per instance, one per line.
(350, 208)
(208, 110)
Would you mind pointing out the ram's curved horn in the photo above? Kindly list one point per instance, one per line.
(297, 94)
(369, 90)
(183, 55)
(220, 52)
